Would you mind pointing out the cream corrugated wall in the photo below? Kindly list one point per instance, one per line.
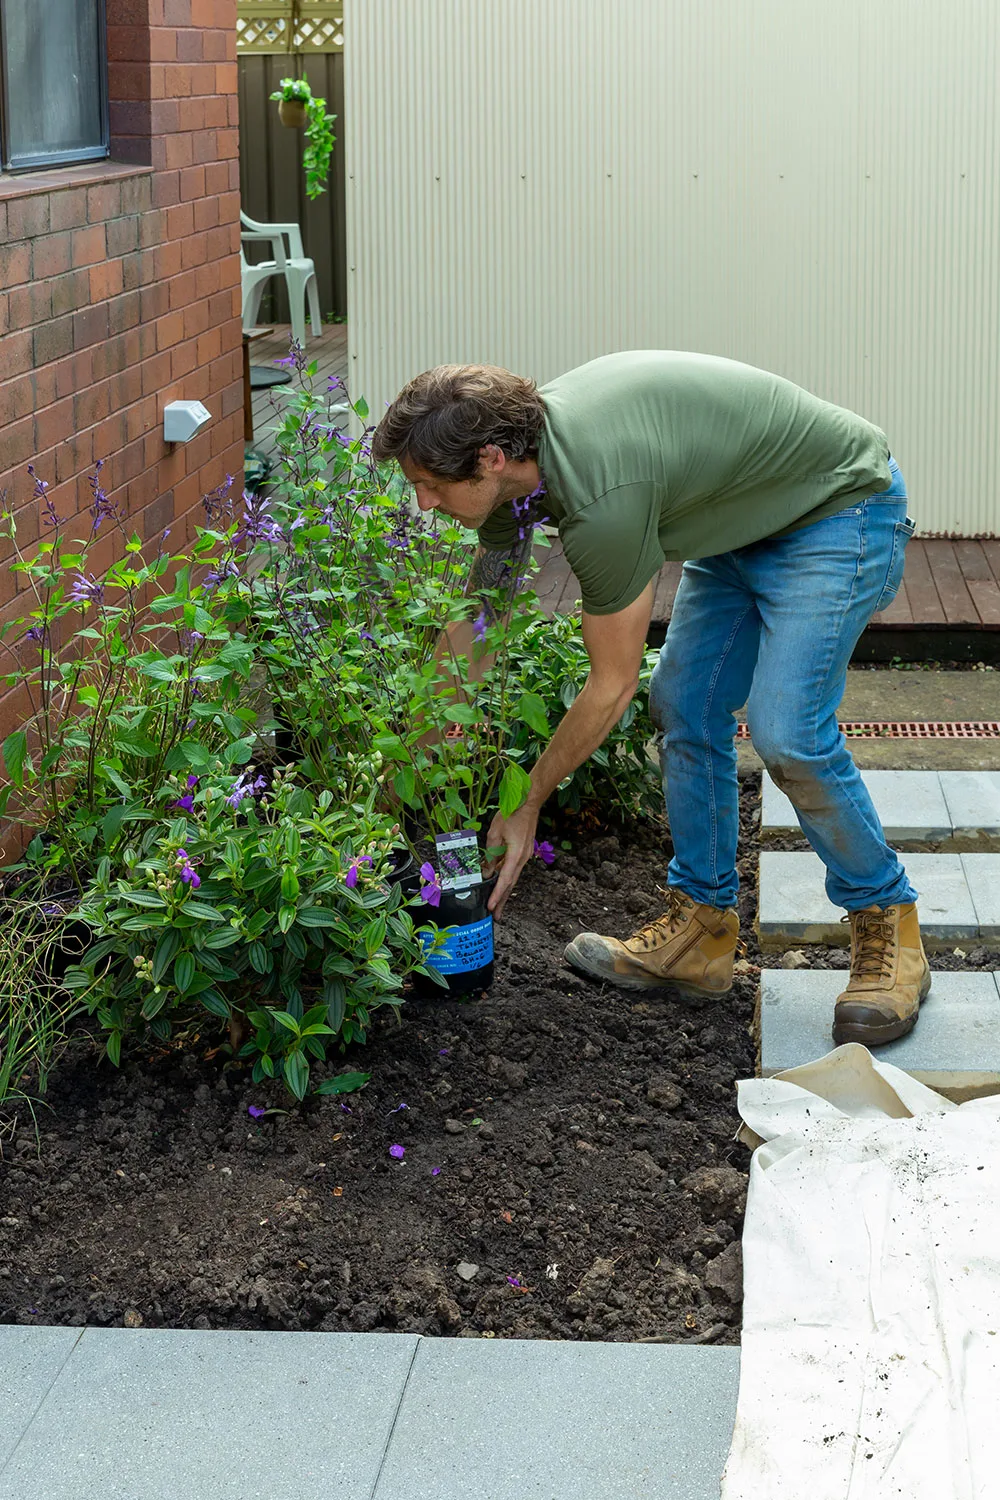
(808, 186)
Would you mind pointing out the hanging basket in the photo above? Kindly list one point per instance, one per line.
(292, 112)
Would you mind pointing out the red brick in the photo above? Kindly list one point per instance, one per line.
(123, 312)
(70, 292)
(169, 330)
(137, 193)
(190, 46)
(29, 305)
(141, 417)
(105, 280)
(109, 358)
(183, 359)
(74, 374)
(52, 254)
(217, 177)
(192, 184)
(155, 374)
(15, 264)
(15, 400)
(128, 43)
(154, 301)
(28, 217)
(123, 235)
(206, 213)
(133, 271)
(194, 250)
(68, 209)
(209, 346)
(54, 425)
(156, 518)
(17, 444)
(75, 455)
(167, 260)
(89, 245)
(89, 326)
(207, 279)
(104, 202)
(196, 319)
(183, 291)
(179, 221)
(54, 339)
(92, 405)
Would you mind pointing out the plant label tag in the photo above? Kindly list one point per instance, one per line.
(458, 860)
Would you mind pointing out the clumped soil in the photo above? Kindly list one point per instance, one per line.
(570, 1168)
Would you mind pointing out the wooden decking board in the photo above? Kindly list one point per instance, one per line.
(329, 351)
(936, 589)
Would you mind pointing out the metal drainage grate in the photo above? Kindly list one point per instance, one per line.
(873, 730)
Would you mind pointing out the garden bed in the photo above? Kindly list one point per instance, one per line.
(600, 1197)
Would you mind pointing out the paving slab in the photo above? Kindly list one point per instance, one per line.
(910, 804)
(30, 1362)
(954, 1048)
(982, 871)
(153, 1415)
(973, 801)
(793, 906)
(519, 1420)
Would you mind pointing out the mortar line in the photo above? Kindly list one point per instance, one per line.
(395, 1416)
(42, 1400)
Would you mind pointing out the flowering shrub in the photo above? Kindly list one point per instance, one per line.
(264, 905)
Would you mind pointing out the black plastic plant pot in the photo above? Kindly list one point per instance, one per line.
(465, 961)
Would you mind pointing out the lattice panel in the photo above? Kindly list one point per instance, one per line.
(304, 27)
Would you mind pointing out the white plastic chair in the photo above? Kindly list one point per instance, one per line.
(298, 270)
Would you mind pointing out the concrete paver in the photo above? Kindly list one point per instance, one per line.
(973, 800)
(519, 1420)
(30, 1361)
(982, 871)
(155, 1414)
(910, 804)
(793, 905)
(955, 1046)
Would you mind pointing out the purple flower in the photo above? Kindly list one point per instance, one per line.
(444, 1052)
(246, 785)
(186, 870)
(479, 628)
(258, 525)
(185, 803)
(35, 633)
(351, 878)
(255, 1110)
(86, 590)
(102, 508)
(546, 853)
(435, 1171)
(430, 891)
(397, 1152)
(218, 501)
(219, 574)
(192, 781)
(514, 1281)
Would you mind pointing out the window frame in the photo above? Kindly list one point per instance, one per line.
(70, 157)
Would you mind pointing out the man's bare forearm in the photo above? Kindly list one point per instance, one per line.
(584, 728)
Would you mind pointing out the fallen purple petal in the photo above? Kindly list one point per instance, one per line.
(255, 1110)
(435, 1171)
(397, 1152)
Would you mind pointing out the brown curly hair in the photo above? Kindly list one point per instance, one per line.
(442, 419)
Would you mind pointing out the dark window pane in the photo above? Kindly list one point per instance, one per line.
(53, 80)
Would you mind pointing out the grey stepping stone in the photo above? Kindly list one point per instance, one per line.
(793, 906)
(911, 806)
(955, 1046)
(30, 1361)
(150, 1415)
(982, 871)
(519, 1420)
(973, 801)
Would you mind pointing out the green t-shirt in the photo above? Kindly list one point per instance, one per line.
(654, 454)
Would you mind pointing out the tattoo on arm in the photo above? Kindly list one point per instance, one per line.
(500, 568)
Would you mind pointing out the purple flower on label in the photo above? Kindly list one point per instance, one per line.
(255, 1110)
(546, 853)
(480, 626)
(430, 891)
(435, 1171)
(397, 1152)
(351, 878)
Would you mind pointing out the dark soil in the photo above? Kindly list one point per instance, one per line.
(569, 1145)
(573, 1143)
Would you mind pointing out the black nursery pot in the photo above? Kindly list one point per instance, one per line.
(466, 960)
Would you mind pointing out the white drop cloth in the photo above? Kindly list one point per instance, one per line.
(871, 1316)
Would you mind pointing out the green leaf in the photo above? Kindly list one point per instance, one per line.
(153, 1004)
(284, 1019)
(404, 785)
(202, 911)
(225, 937)
(286, 917)
(183, 971)
(531, 709)
(296, 1074)
(164, 953)
(260, 958)
(214, 1003)
(344, 1083)
(335, 1000)
(289, 884)
(144, 898)
(238, 753)
(514, 789)
(114, 1048)
(317, 916)
(15, 750)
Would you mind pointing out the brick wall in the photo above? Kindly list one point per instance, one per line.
(119, 290)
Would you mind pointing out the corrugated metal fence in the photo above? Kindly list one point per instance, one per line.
(272, 182)
(813, 188)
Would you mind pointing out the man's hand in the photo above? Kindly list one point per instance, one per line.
(517, 836)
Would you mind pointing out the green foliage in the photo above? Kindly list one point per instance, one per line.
(548, 668)
(34, 1012)
(320, 139)
(293, 88)
(268, 903)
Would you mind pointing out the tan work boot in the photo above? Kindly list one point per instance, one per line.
(890, 976)
(690, 948)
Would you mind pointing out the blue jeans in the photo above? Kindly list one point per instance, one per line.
(773, 626)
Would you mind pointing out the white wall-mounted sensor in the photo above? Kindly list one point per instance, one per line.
(182, 419)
